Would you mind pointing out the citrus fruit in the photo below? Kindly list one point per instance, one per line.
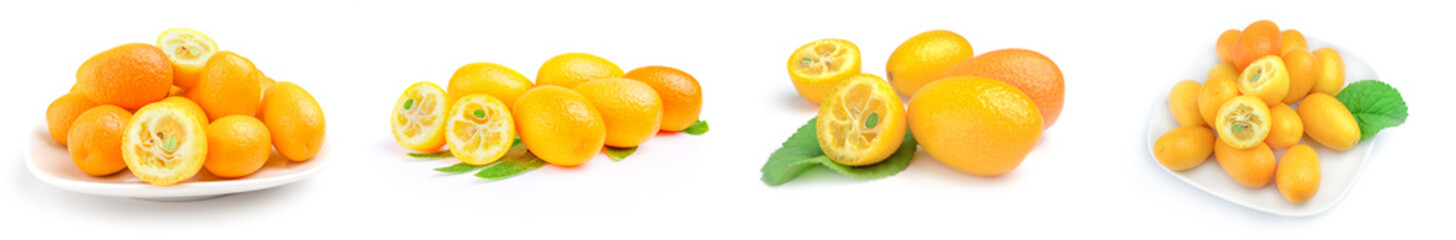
(1223, 69)
(559, 125)
(1243, 122)
(1184, 147)
(1298, 174)
(63, 111)
(163, 143)
(174, 91)
(264, 83)
(1253, 167)
(1330, 77)
(479, 129)
(818, 65)
(1213, 94)
(1291, 40)
(1303, 70)
(190, 106)
(294, 120)
(861, 121)
(1285, 128)
(1259, 39)
(1328, 122)
(95, 140)
(188, 50)
(976, 125)
(570, 69)
(1183, 102)
(488, 78)
(418, 118)
(682, 98)
(1266, 79)
(237, 146)
(924, 58)
(128, 76)
(631, 110)
(228, 86)
(1225, 45)
(1034, 74)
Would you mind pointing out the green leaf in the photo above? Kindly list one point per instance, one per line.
(698, 128)
(801, 152)
(517, 160)
(617, 154)
(457, 168)
(1375, 104)
(437, 155)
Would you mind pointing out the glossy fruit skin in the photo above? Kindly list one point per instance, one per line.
(295, 121)
(1223, 70)
(1303, 70)
(1328, 122)
(1230, 116)
(498, 81)
(1184, 147)
(1286, 128)
(631, 110)
(1031, 72)
(1225, 45)
(977, 125)
(430, 102)
(95, 140)
(1259, 39)
(843, 114)
(1298, 175)
(128, 76)
(229, 86)
(1252, 167)
(1291, 40)
(924, 58)
(682, 97)
(570, 69)
(64, 111)
(1183, 102)
(237, 146)
(1331, 77)
(1266, 78)
(808, 81)
(1214, 93)
(560, 126)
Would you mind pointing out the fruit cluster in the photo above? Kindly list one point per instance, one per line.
(978, 114)
(579, 104)
(1247, 99)
(166, 111)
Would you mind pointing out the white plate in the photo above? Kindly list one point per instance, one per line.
(1338, 169)
(51, 163)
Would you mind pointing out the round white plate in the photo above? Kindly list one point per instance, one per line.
(1338, 169)
(51, 163)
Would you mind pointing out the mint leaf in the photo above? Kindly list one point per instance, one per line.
(1375, 104)
(617, 154)
(517, 160)
(437, 155)
(698, 128)
(801, 152)
(457, 168)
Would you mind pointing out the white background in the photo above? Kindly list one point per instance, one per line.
(1091, 174)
